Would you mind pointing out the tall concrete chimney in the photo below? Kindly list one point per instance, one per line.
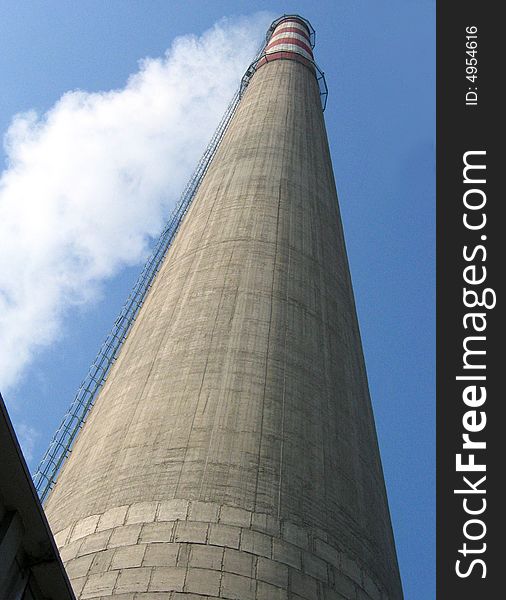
(232, 452)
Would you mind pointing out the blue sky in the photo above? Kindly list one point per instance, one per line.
(379, 64)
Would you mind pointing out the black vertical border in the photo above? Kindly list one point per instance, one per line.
(461, 129)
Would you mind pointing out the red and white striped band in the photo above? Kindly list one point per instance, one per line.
(290, 39)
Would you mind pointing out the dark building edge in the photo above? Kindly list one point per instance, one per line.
(30, 565)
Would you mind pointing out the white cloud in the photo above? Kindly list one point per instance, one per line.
(90, 182)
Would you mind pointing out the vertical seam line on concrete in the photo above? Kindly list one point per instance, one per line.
(283, 397)
(323, 320)
(269, 330)
(268, 350)
(326, 352)
(204, 376)
(215, 417)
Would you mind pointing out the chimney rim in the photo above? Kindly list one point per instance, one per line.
(295, 17)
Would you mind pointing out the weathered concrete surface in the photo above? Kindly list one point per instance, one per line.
(242, 389)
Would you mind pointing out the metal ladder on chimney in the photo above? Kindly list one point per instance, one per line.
(75, 417)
